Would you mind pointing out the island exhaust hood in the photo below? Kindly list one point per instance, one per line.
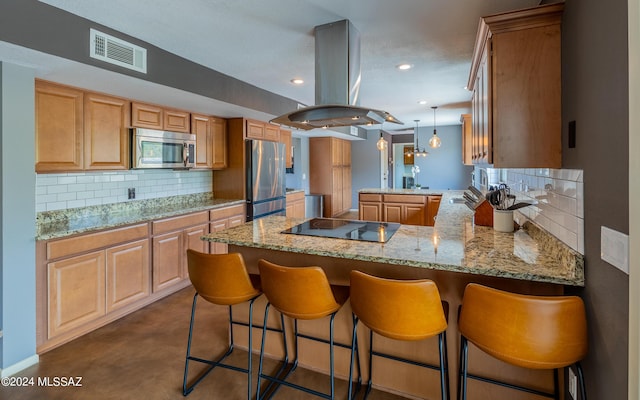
(338, 77)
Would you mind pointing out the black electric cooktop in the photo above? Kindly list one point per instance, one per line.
(346, 229)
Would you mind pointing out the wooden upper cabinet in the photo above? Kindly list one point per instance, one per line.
(271, 132)
(467, 139)
(106, 132)
(516, 80)
(255, 130)
(146, 116)
(156, 117)
(59, 128)
(177, 121)
(285, 137)
(219, 139)
(201, 127)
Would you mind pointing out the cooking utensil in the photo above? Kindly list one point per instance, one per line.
(470, 205)
(476, 192)
(470, 198)
(520, 205)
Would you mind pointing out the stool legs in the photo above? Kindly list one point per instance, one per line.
(464, 374)
(217, 363)
(442, 368)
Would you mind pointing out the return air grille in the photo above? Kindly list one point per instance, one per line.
(115, 51)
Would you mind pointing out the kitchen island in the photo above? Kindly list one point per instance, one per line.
(452, 253)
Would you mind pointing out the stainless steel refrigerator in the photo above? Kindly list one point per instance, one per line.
(266, 192)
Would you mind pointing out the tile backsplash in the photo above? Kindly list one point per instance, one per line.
(71, 190)
(559, 195)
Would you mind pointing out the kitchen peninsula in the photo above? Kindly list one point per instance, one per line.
(453, 253)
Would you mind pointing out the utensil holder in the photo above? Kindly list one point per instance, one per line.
(503, 220)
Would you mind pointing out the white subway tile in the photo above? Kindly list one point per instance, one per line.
(89, 194)
(76, 203)
(66, 196)
(85, 179)
(64, 180)
(45, 180)
(77, 187)
(56, 189)
(56, 205)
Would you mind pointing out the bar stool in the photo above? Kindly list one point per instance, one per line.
(300, 293)
(536, 332)
(406, 310)
(220, 279)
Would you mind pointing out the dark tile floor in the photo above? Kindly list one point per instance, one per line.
(141, 356)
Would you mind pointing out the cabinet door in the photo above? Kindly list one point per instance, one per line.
(219, 138)
(192, 241)
(485, 111)
(370, 211)
(201, 127)
(347, 200)
(217, 226)
(106, 132)
(346, 153)
(433, 205)
(59, 128)
(336, 152)
(146, 116)
(271, 132)
(467, 141)
(255, 130)
(168, 256)
(392, 212)
(127, 274)
(76, 292)
(176, 121)
(299, 209)
(413, 214)
(285, 137)
(337, 196)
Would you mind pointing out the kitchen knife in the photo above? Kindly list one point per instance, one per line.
(476, 192)
(469, 197)
(470, 205)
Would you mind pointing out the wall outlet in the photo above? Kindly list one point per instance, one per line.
(573, 384)
(131, 193)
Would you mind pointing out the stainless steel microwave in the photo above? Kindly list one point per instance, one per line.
(161, 149)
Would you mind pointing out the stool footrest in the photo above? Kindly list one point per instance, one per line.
(511, 385)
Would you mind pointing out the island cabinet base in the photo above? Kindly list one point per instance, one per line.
(391, 376)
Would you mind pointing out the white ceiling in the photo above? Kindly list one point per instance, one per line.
(267, 43)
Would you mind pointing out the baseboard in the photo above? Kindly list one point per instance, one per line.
(19, 366)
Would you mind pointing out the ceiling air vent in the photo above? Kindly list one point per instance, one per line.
(115, 51)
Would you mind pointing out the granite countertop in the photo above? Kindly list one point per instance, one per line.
(57, 224)
(454, 244)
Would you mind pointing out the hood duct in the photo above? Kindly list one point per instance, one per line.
(337, 81)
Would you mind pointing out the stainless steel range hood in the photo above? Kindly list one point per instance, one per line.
(337, 83)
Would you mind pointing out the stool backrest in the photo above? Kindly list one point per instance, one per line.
(539, 332)
(298, 292)
(398, 309)
(220, 278)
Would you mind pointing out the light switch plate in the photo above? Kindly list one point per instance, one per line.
(614, 248)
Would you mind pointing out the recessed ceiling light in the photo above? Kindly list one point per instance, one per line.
(422, 102)
(297, 81)
(404, 67)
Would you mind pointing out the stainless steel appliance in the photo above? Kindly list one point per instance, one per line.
(161, 149)
(266, 192)
(366, 231)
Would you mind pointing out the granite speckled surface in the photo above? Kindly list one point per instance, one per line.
(57, 224)
(454, 244)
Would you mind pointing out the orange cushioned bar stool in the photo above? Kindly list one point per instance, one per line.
(536, 332)
(221, 279)
(299, 293)
(407, 310)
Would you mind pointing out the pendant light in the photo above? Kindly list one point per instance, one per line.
(435, 141)
(417, 151)
(381, 144)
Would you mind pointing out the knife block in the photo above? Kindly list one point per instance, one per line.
(483, 215)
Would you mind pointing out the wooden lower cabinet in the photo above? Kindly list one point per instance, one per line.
(86, 281)
(400, 208)
(76, 292)
(295, 205)
(168, 254)
(221, 219)
(127, 274)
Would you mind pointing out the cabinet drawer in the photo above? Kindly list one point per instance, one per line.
(295, 197)
(180, 222)
(370, 197)
(226, 212)
(80, 244)
(404, 198)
